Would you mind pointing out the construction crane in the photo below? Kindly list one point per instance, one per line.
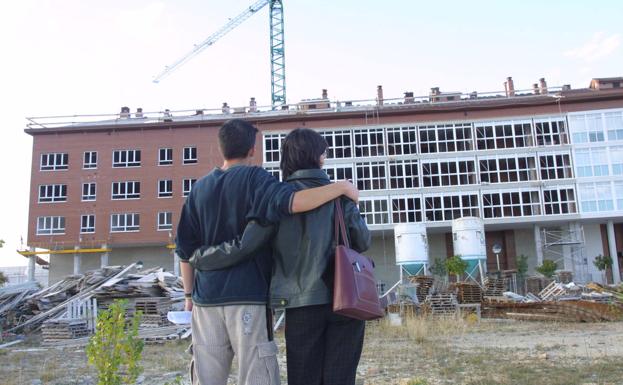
(277, 55)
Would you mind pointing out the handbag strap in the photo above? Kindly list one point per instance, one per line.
(340, 227)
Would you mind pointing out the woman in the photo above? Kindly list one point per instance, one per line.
(321, 347)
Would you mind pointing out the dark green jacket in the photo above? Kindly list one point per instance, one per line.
(303, 248)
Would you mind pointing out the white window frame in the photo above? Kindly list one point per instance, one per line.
(403, 174)
(189, 155)
(125, 223)
(375, 210)
(591, 161)
(52, 193)
(446, 137)
(450, 206)
(272, 147)
(406, 208)
(618, 194)
(275, 171)
(504, 134)
(371, 142)
(89, 160)
(402, 140)
(340, 143)
(167, 191)
(497, 168)
(615, 154)
(165, 221)
(55, 161)
(551, 131)
(449, 178)
(187, 185)
(91, 195)
(365, 175)
(340, 171)
(132, 158)
(587, 128)
(50, 225)
(614, 125)
(511, 203)
(595, 197)
(89, 226)
(165, 156)
(125, 190)
(555, 165)
(559, 200)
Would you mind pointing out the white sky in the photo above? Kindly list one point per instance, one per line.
(81, 57)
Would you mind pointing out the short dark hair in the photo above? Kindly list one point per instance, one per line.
(236, 138)
(301, 150)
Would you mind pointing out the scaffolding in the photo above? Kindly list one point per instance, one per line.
(566, 244)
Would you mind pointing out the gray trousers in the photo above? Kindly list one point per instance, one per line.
(219, 332)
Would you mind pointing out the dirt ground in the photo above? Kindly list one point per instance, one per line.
(420, 352)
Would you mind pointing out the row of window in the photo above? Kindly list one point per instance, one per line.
(598, 161)
(495, 204)
(126, 222)
(434, 138)
(119, 190)
(596, 127)
(120, 159)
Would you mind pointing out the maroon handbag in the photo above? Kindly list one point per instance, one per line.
(354, 287)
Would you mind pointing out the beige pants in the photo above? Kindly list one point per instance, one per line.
(219, 332)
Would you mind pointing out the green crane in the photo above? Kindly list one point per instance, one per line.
(277, 47)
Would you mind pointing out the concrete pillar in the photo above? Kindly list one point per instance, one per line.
(176, 263)
(77, 261)
(538, 245)
(104, 257)
(612, 246)
(31, 265)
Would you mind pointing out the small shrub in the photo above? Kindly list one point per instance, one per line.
(548, 268)
(115, 350)
(456, 266)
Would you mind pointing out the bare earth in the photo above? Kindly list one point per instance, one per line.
(419, 352)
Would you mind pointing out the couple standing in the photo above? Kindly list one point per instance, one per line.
(253, 241)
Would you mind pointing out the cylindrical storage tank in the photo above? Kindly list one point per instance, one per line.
(468, 236)
(411, 247)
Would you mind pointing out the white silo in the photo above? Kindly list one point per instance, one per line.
(411, 248)
(468, 236)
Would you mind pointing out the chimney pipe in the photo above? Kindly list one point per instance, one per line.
(434, 93)
(225, 109)
(511, 86)
(409, 98)
(535, 88)
(139, 112)
(566, 87)
(252, 105)
(542, 86)
(125, 112)
(325, 95)
(379, 95)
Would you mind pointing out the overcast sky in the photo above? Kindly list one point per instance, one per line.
(68, 57)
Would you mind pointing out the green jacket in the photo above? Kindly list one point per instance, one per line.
(303, 248)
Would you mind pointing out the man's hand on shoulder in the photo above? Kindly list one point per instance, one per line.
(349, 190)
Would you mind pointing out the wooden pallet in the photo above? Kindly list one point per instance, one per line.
(552, 291)
(442, 304)
(565, 276)
(467, 292)
(494, 287)
(424, 285)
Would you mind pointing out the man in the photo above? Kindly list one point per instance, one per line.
(229, 305)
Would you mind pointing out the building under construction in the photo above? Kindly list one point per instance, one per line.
(543, 168)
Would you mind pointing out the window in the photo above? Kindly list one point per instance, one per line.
(560, 200)
(52, 193)
(509, 134)
(120, 223)
(165, 221)
(274, 171)
(272, 147)
(511, 204)
(618, 190)
(88, 191)
(54, 162)
(555, 166)
(595, 197)
(190, 155)
(449, 207)
(401, 140)
(550, 132)
(126, 158)
(165, 156)
(369, 142)
(340, 144)
(614, 125)
(90, 159)
(403, 174)
(337, 172)
(126, 190)
(446, 138)
(453, 173)
(586, 128)
(507, 169)
(165, 188)
(591, 162)
(87, 224)
(375, 211)
(187, 184)
(50, 225)
(371, 176)
(406, 209)
(616, 160)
